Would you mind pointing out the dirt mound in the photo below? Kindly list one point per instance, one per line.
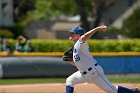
(56, 88)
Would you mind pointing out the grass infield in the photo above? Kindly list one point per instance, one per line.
(112, 78)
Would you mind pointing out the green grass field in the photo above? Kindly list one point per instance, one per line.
(112, 78)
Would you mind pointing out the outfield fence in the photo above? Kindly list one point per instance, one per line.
(50, 64)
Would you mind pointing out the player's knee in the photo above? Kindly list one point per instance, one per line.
(69, 82)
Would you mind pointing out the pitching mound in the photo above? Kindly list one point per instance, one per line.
(55, 88)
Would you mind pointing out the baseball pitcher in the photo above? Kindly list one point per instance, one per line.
(88, 68)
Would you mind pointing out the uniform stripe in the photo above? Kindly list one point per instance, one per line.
(105, 81)
(1, 71)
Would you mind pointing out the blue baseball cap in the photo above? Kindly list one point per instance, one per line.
(77, 29)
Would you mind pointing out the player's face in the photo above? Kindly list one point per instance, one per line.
(74, 36)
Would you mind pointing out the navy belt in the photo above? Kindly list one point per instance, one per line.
(89, 69)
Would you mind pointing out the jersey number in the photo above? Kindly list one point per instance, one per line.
(76, 57)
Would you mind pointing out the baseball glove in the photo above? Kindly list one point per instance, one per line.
(68, 54)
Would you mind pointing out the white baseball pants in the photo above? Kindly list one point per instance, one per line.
(95, 76)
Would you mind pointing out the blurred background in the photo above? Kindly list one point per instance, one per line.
(50, 19)
(33, 35)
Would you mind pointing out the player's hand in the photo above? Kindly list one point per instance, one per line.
(102, 28)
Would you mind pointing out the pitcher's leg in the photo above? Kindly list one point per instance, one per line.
(75, 78)
(101, 80)
(109, 88)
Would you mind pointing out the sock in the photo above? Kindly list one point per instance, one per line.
(69, 89)
(124, 90)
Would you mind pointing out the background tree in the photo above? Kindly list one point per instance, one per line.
(98, 9)
(29, 10)
(21, 8)
(131, 26)
(46, 9)
(83, 14)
